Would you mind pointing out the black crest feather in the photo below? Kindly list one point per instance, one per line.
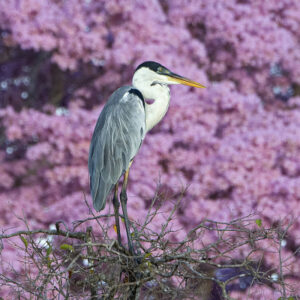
(152, 65)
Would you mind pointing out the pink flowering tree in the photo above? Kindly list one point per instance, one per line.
(227, 151)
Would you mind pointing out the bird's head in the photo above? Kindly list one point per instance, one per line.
(150, 73)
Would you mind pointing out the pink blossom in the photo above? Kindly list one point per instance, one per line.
(228, 150)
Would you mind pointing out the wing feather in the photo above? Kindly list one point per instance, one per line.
(117, 138)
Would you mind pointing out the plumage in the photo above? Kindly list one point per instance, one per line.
(120, 130)
(112, 147)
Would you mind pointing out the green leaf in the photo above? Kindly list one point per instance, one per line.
(25, 242)
(49, 250)
(147, 255)
(49, 261)
(258, 222)
(67, 247)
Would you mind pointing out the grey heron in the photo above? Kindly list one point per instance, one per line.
(121, 129)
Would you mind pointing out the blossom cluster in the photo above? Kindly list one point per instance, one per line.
(227, 151)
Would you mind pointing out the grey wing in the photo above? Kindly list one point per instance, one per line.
(117, 138)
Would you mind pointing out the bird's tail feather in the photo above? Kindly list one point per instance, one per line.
(100, 190)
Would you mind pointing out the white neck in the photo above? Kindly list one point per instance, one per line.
(157, 110)
(160, 93)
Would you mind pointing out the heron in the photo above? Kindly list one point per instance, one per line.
(120, 130)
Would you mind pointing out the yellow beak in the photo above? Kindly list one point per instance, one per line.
(182, 80)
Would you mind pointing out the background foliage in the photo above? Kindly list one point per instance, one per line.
(235, 145)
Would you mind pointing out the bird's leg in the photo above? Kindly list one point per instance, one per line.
(116, 204)
(123, 198)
